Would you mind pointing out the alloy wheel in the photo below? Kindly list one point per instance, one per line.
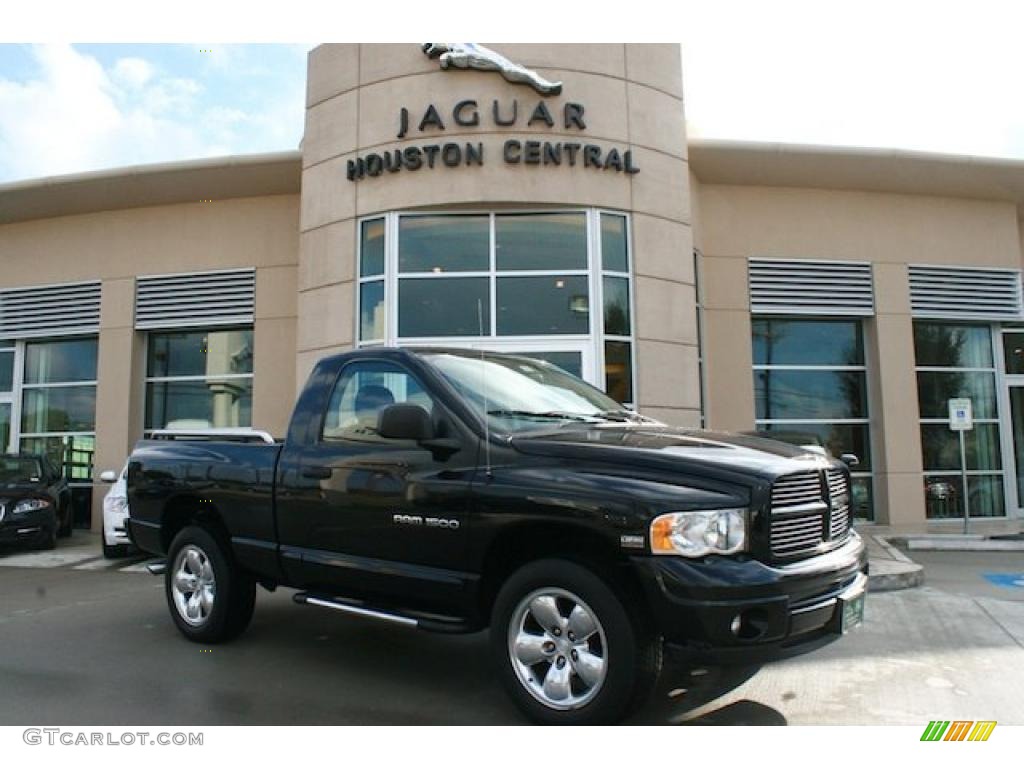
(558, 649)
(193, 585)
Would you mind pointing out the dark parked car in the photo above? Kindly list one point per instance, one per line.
(35, 501)
(452, 491)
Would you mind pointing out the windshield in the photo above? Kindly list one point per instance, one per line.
(14, 469)
(519, 394)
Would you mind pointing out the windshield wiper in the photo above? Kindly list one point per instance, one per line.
(622, 414)
(541, 414)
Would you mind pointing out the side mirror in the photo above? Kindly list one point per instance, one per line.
(405, 422)
(850, 460)
(108, 476)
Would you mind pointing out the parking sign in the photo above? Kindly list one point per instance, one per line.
(960, 416)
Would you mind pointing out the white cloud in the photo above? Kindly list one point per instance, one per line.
(76, 116)
(132, 72)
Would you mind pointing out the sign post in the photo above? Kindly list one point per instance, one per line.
(961, 419)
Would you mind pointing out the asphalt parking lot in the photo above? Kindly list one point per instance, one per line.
(86, 642)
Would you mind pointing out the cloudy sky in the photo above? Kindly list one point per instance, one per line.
(935, 77)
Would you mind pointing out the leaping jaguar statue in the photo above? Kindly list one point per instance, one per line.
(473, 56)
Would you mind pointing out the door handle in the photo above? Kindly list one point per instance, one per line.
(317, 473)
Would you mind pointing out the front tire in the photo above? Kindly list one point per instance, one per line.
(567, 648)
(210, 598)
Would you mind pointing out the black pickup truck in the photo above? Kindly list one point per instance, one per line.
(456, 490)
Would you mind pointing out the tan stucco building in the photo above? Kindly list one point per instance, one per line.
(840, 296)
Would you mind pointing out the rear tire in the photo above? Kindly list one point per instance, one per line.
(210, 598)
(568, 649)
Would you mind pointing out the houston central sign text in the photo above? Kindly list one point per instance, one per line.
(515, 151)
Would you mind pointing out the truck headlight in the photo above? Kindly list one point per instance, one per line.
(29, 505)
(699, 533)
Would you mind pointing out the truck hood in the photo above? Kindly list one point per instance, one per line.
(673, 448)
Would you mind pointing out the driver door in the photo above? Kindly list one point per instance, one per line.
(383, 516)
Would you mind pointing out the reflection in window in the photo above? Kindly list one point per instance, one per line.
(456, 306)
(199, 379)
(810, 387)
(513, 276)
(371, 310)
(53, 362)
(803, 394)
(536, 306)
(618, 369)
(614, 247)
(58, 409)
(541, 241)
(443, 243)
(956, 360)
(58, 403)
(72, 453)
(6, 368)
(362, 392)
(616, 306)
(371, 248)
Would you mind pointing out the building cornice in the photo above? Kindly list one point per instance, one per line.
(219, 178)
(857, 168)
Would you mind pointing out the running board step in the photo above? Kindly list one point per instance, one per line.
(428, 622)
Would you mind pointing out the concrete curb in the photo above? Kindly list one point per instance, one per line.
(962, 544)
(889, 576)
(899, 572)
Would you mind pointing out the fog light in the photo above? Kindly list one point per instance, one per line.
(736, 625)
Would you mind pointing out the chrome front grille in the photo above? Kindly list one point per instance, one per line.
(794, 536)
(794, 490)
(839, 502)
(809, 509)
(798, 514)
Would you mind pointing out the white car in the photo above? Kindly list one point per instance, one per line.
(115, 512)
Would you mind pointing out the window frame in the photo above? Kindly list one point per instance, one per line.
(998, 382)
(594, 272)
(864, 421)
(20, 387)
(147, 379)
(322, 439)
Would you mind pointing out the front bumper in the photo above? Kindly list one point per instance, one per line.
(781, 610)
(15, 528)
(115, 528)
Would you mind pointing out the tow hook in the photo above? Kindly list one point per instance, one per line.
(158, 568)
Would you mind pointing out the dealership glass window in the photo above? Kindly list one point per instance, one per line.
(810, 386)
(514, 278)
(197, 379)
(371, 280)
(58, 403)
(7, 352)
(957, 360)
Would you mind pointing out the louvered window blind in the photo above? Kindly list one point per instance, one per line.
(195, 299)
(962, 292)
(791, 287)
(50, 310)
